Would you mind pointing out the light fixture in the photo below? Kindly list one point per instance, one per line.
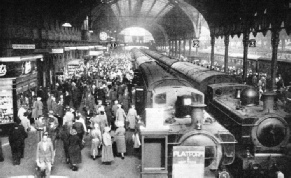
(90, 31)
(66, 25)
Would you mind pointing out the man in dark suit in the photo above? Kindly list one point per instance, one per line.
(17, 136)
(79, 127)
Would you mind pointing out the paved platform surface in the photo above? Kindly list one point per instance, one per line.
(127, 168)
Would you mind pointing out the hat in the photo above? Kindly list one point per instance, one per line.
(96, 125)
(45, 134)
(119, 124)
(73, 132)
(51, 112)
(107, 129)
(17, 120)
(25, 114)
(51, 119)
(101, 109)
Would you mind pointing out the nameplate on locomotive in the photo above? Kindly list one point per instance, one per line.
(186, 159)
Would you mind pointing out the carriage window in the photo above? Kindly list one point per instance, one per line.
(161, 98)
(197, 98)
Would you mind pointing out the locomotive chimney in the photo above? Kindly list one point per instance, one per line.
(268, 101)
(197, 115)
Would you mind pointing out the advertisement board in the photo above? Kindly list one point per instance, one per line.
(188, 161)
(17, 69)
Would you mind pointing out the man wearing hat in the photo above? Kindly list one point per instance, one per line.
(74, 149)
(17, 136)
(51, 127)
(68, 117)
(45, 154)
(25, 122)
(40, 126)
(79, 125)
(37, 108)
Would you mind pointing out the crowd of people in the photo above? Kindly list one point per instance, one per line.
(98, 105)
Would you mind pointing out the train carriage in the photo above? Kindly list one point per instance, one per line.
(263, 133)
(183, 112)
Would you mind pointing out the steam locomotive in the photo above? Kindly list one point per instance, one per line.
(184, 120)
(262, 133)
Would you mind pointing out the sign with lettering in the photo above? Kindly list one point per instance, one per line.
(3, 70)
(95, 53)
(186, 159)
(196, 43)
(23, 46)
(252, 43)
(70, 48)
(17, 69)
(57, 51)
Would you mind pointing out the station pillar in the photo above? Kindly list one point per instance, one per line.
(212, 52)
(172, 48)
(180, 48)
(190, 46)
(245, 54)
(275, 43)
(226, 43)
(184, 47)
(176, 47)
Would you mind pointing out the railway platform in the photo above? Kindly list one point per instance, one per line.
(127, 168)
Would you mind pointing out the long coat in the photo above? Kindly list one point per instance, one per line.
(16, 137)
(64, 134)
(54, 106)
(75, 144)
(59, 110)
(37, 109)
(120, 115)
(107, 153)
(96, 141)
(90, 102)
(49, 103)
(44, 155)
(131, 118)
(120, 140)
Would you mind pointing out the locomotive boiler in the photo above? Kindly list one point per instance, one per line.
(262, 133)
(174, 115)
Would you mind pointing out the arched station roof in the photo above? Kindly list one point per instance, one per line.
(170, 19)
(177, 18)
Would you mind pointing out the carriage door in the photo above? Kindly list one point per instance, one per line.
(139, 100)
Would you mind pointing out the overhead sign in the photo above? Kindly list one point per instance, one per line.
(95, 53)
(57, 51)
(252, 43)
(3, 70)
(17, 69)
(196, 43)
(70, 48)
(82, 47)
(23, 46)
(186, 159)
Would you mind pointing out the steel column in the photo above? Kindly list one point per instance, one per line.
(275, 43)
(190, 46)
(245, 54)
(179, 48)
(212, 52)
(226, 43)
